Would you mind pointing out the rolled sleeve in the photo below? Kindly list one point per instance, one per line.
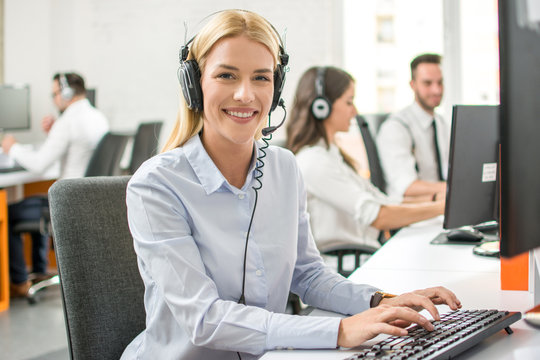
(367, 211)
(54, 147)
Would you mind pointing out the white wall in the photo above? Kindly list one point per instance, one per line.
(128, 50)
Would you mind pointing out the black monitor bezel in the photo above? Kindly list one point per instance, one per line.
(470, 201)
(519, 56)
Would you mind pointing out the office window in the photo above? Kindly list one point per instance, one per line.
(381, 38)
(385, 99)
(385, 29)
(479, 52)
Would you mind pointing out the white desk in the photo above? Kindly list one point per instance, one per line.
(24, 177)
(409, 262)
(14, 181)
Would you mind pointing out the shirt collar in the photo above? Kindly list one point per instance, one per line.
(424, 119)
(209, 175)
(77, 104)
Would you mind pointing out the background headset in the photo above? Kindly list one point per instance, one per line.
(321, 107)
(66, 92)
(189, 76)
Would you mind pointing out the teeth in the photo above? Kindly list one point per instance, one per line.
(240, 114)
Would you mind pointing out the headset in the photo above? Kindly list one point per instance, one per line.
(189, 76)
(321, 107)
(66, 92)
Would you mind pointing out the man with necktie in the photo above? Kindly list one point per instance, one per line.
(413, 143)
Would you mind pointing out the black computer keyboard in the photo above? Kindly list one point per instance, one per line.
(456, 332)
(11, 169)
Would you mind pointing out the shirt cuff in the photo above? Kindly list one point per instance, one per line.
(367, 211)
(302, 332)
(398, 188)
(17, 152)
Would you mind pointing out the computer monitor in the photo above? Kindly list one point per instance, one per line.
(471, 190)
(91, 96)
(14, 107)
(519, 50)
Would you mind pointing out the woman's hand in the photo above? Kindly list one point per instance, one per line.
(383, 319)
(392, 315)
(426, 299)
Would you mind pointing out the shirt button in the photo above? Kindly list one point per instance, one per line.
(258, 272)
(241, 196)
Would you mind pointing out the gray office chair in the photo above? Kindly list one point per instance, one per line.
(102, 291)
(340, 249)
(105, 160)
(375, 169)
(145, 144)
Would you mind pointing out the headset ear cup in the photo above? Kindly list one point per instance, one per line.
(189, 76)
(67, 93)
(279, 81)
(321, 108)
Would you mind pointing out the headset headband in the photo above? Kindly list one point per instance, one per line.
(189, 75)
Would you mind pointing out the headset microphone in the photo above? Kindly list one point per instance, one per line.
(270, 129)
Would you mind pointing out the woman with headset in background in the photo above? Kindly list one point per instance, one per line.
(219, 220)
(342, 204)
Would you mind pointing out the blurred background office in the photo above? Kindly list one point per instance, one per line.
(128, 52)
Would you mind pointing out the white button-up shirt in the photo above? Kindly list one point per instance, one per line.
(406, 148)
(189, 225)
(71, 140)
(342, 204)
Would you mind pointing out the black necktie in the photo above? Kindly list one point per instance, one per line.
(437, 152)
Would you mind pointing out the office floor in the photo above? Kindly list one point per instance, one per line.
(34, 332)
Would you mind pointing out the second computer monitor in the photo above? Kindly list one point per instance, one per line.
(91, 96)
(471, 193)
(14, 107)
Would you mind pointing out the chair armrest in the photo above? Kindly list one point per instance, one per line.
(345, 246)
(340, 249)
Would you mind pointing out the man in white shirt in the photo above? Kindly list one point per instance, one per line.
(413, 143)
(71, 140)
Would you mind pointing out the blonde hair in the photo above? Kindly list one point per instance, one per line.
(225, 24)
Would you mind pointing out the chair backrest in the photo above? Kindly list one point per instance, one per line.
(375, 121)
(105, 160)
(102, 290)
(145, 144)
(375, 169)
